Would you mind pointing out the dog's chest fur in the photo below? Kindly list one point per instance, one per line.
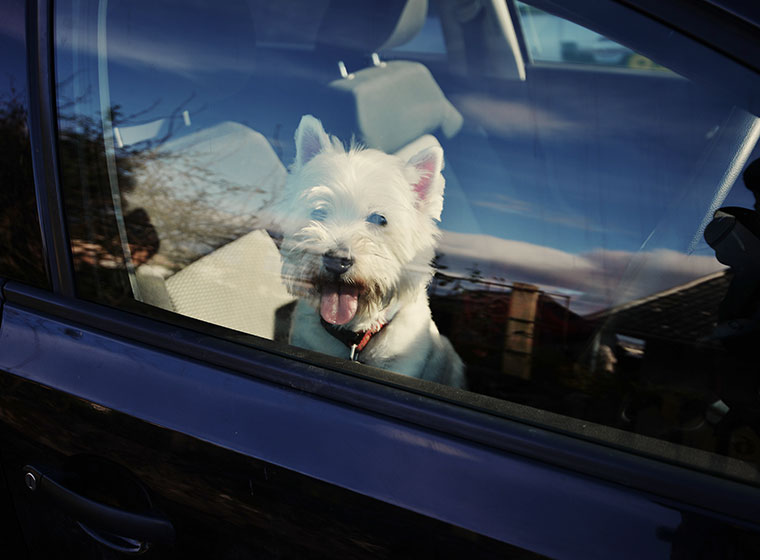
(409, 344)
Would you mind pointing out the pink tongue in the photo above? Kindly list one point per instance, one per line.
(339, 303)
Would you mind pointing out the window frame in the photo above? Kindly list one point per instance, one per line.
(386, 396)
(44, 140)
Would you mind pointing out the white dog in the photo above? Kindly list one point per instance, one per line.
(359, 232)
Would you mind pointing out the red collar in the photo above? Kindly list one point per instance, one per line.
(356, 341)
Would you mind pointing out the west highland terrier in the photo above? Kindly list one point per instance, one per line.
(359, 233)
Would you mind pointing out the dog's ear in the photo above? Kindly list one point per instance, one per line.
(429, 185)
(311, 139)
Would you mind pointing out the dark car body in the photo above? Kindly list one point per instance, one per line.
(129, 430)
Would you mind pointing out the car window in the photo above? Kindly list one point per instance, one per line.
(552, 39)
(533, 216)
(21, 254)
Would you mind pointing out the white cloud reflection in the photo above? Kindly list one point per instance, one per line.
(595, 279)
(510, 205)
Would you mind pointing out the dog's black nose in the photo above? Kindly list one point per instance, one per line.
(337, 262)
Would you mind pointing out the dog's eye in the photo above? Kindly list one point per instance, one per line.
(377, 219)
(319, 214)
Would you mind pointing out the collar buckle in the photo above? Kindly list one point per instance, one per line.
(356, 341)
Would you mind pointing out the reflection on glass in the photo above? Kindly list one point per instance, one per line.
(21, 255)
(552, 39)
(572, 272)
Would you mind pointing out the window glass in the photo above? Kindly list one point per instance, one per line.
(21, 255)
(574, 262)
(428, 43)
(553, 39)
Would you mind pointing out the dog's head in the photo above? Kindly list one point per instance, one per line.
(359, 226)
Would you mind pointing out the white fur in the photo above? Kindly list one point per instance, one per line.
(328, 197)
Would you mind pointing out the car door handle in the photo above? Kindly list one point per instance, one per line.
(116, 528)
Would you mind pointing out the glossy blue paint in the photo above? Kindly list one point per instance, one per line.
(522, 502)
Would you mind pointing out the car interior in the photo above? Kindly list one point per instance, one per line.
(393, 106)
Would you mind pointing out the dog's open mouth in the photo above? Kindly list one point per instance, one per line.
(338, 303)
